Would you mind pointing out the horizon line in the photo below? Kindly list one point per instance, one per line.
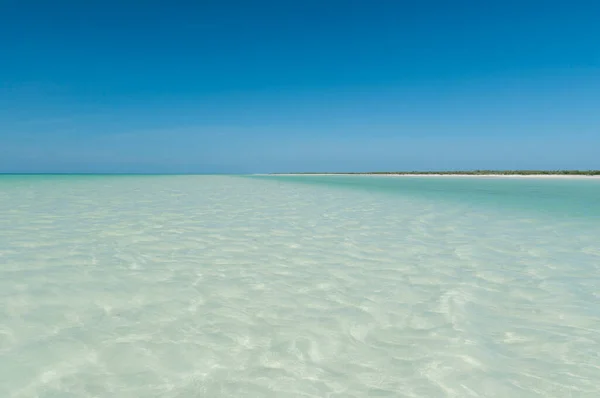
(471, 171)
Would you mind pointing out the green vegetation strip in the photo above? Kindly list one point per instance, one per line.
(472, 172)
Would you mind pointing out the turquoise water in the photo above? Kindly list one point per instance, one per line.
(559, 197)
(224, 286)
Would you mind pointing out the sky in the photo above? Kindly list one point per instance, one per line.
(298, 85)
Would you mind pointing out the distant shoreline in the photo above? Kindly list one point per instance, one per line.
(498, 174)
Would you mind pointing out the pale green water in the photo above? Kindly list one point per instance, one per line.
(215, 286)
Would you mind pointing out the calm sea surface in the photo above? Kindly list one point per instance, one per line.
(224, 286)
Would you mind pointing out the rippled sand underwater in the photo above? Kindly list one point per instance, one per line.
(223, 286)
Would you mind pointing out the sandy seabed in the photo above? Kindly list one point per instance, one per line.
(199, 286)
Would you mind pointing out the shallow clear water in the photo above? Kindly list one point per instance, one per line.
(218, 286)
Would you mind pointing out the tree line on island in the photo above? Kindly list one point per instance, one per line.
(473, 172)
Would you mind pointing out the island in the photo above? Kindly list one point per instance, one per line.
(481, 173)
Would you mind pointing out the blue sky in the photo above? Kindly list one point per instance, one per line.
(265, 86)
